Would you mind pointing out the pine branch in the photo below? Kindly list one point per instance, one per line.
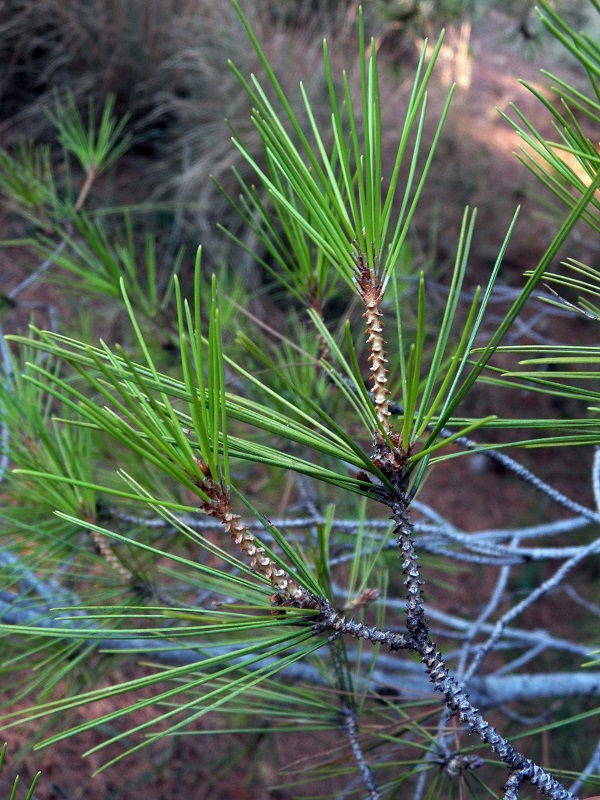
(404, 678)
(331, 621)
(457, 701)
(370, 291)
(287, 590)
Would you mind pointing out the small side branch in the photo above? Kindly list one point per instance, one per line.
(349, 723)
(106, 551)
(370, 291)
(512, 785)
(287, 591)
(331, 621)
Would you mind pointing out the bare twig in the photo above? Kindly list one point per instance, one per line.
(591, 768)
(350, 726)
(549, 584)
(330, 621)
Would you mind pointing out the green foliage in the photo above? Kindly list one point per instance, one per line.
(13, 793)
(569, 168)
(148, 456)
(93, 149)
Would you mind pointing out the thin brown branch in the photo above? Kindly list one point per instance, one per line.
(105, 550)
(371, 291)
(90, 177)
(288, 591)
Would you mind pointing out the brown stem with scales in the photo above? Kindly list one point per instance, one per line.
(370, 290)
(389, 455)
(287, 590)
(105, 550)
(316, 304)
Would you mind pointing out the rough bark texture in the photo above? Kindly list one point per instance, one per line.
(287, 590)
(370, 291)
(458, 703)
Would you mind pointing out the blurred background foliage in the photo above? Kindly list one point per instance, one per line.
(165, 63)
